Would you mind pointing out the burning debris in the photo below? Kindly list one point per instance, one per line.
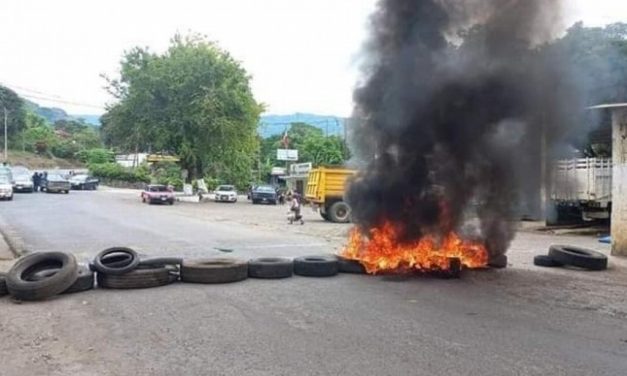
(453, 107)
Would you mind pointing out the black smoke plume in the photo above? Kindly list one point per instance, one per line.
(458, 102)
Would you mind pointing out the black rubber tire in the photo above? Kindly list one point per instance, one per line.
(3, 285)
(214, 270)
(102, 266)
(339, 212)
(114, 261)
(350, 266)
(546, 261)
(84, 281)
(22, 289)
(141, 278)
(161, 261)
(325, 216)
(498, 262)
(316, 266)
(270, 268)
(579, 257)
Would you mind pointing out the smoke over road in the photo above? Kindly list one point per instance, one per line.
(454, 103)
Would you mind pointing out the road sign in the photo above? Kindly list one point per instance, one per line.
(300, 169)
(287, 154)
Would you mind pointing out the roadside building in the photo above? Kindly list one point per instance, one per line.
(296, 181)
(619, 176)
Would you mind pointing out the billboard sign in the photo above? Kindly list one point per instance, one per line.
(287, 154)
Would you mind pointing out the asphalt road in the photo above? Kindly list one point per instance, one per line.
(518, 321)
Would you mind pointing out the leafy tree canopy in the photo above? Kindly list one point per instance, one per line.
(194, 101)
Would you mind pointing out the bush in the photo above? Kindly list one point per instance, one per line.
(212, 183)
(113, 171)
(167, 173)
(95, 156)
(65, 149)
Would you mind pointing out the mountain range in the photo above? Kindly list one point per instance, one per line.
(269, 125)
(53, 114)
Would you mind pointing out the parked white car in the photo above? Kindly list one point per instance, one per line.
(6, 188)
(226, 193)
(22, 179)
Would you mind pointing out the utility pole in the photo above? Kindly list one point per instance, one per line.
(6, 120)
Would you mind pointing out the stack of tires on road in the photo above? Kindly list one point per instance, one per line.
(39, 276)
(564, 255)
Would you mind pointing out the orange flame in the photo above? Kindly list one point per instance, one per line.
(382, 251)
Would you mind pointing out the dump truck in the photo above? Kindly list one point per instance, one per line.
(326, 187)
(581, 191)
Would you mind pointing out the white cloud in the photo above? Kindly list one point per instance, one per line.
(300, 53)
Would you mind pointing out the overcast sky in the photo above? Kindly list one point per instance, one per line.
(300, 53)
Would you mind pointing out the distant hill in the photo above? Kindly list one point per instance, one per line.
(271, 125)
(89, 119)
(53, 114)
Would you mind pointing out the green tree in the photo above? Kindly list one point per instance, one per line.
(194, 101)
(597, 57)
(312, 145)
(16, 115)
(39, 138)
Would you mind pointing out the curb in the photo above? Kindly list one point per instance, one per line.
(13, 240)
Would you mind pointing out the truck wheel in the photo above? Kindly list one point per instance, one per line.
(339, 212)
(325, 216)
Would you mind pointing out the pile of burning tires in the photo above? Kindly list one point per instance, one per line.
(39, 276)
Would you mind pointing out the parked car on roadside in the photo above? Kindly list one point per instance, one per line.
(6, 187)
(6, 171)
(55, 183)
(226, 193)
(157, 194)
(264, 194)
(22, 180)
(84, 182)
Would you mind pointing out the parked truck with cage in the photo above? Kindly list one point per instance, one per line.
(581, 190)
(326, 187)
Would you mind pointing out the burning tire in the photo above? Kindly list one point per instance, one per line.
(21, 288)
(316, 266)
(350, 266)
(579, 257)
(116, 261)
(546, 261)
(498, 262)
(141, 278)
(270, 268)
(84, 281)
(339, 212)
(3, 285)
(214, 270)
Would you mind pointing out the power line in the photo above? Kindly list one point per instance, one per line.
(49, 97)
(62, 101)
